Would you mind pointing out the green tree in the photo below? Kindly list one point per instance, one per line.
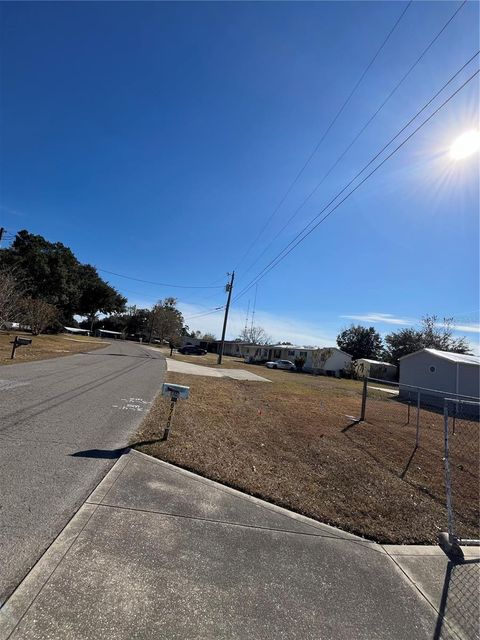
(432, 334)
(360, 342)
(48, 271)
(208, 337)
(97, 296)
(166, 321)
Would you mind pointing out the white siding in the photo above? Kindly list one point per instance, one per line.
(336, 361)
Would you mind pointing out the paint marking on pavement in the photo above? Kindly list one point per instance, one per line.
(132, 404)
(6, 385)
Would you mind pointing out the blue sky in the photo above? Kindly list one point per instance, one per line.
(156, 139)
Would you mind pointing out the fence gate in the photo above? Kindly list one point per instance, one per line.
(462, 481)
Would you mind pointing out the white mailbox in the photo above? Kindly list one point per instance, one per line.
(178, 391)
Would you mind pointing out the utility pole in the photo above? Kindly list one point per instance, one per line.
(2, 231)
(228, 288)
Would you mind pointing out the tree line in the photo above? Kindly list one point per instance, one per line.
(44, 286)
(366, 342)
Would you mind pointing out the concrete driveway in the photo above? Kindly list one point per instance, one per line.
(178, 366)
(62, 423)
(158, 552)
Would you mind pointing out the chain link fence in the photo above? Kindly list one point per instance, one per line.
(397, 404)
(430, 439)
(462, 476)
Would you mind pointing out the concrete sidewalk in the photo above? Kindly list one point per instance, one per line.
(158, 552)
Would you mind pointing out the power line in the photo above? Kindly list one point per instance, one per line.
(357, 136)
(161, 284)
(121, 275)
(292, 244)
(325, 133)
(207, 313)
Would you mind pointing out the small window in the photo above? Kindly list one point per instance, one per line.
(291, 353)
(432, 368)
(303, 354)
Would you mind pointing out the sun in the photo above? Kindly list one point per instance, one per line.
(465, 145)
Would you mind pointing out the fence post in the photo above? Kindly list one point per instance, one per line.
(408, 407)
(448, 481)
(417, 436)
(364, 399)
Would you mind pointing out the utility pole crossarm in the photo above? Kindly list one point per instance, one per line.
(229, 288)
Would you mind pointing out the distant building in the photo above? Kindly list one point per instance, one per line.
(104, 333)
(78, 331)
(442, 372)
(366, 368)
(327, 360)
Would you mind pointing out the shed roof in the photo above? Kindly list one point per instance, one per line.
(384, 364)
(448, 355)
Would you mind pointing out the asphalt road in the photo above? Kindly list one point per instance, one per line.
(61, 422)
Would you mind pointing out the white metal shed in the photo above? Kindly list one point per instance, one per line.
(448, 373)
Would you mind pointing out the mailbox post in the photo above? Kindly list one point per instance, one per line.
(19, 342)
(174, 392)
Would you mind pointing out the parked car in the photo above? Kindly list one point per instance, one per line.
(192, 350)
(281, 364)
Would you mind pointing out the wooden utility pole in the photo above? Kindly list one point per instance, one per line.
(229, 288)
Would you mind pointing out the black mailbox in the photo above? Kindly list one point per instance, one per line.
(19, 342)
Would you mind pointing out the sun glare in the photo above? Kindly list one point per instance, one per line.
(465, 145)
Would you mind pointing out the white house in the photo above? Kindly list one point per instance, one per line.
(366, 368)
(329, 360)
(326, 360)
(444, 372)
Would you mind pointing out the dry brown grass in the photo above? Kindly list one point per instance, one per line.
(290, 442)
(45, 346)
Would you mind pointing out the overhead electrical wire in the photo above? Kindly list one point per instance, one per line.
(357, 136)
(162, 284)
(207, 313)
(303, 234)
(12, 236)
(324, 135)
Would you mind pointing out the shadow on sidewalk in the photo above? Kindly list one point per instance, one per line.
(107, 454)
(459, 615)
(112, 454)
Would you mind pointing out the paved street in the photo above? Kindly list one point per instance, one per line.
(61, 422)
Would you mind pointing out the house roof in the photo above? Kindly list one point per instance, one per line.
(385, 364)
(447, 355)
(289, 346)
(76, 330)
